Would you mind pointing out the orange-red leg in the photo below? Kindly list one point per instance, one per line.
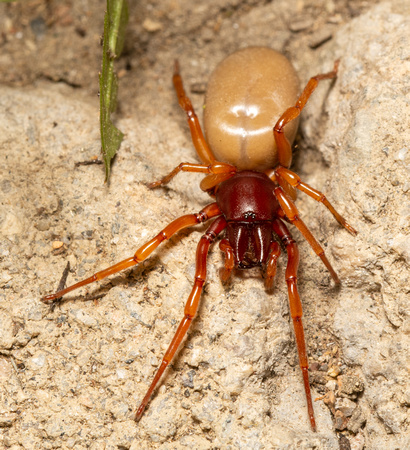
(292, 214)
(294, 180)
(226, 272)
(217, 171)
(296, 309)
(191, 306)
(216, 168)
(143, 252)
(270, 271)
(290, 190)
(210, 181)
(282, 143)
(201, 146)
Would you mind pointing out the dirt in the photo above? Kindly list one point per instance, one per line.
(72, 375)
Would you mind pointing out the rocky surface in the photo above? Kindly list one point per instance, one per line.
(71, 376)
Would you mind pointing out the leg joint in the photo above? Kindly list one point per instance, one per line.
(288, 240)
(199, 281)
(201, 217)
(209, 236)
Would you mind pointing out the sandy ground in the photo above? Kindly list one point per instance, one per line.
(72, 376)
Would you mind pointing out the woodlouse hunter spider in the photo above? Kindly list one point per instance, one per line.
(246, 159)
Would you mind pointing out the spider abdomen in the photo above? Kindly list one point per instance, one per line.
(246, 94)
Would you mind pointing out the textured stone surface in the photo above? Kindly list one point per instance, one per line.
(72, 376)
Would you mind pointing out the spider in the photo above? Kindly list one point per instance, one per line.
(246, 158)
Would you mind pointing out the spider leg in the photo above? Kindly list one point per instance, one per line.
(201, 146)
(216, 168)
(270, 271)
(226, 272)
(191, 306)
(282, 143)
(294, 180)
(296, 309)
(210, 166)
(292, 214)
(288, 188)
(143, 252)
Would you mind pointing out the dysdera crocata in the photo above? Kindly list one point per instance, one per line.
(246, 159)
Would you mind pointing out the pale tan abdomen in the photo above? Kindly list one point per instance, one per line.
(246, 95)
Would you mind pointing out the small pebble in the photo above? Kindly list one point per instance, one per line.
(334, 371)
(320, 37)
(300, 25)
(350, 384)
(357, 420)
(57, 245)
(314, 366)
(357, 442)
(340, 421)
(38, 26)
(346, 406)
(7, 420)
(43, 225)
(329, 400)
(344, 443)
(151, 25)
(207, 35)
(324, 367)
(331, 385)
(198, 88)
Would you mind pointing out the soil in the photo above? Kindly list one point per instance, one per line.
(73, 374)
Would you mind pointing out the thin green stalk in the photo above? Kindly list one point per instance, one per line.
(115, 21)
